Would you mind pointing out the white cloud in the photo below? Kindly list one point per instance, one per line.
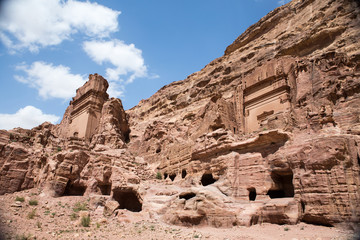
(51, 81)
(127, 62)
(126, 59)
(116, 89)
(27, 117)
(39, 23)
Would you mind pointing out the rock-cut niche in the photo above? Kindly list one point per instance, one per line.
(105, 188)
(207, 179)
(127, 199)
(252, 194)
(73, 189)
(282, 184)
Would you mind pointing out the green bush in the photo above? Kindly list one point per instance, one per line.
(20, 199)
(33, 202)
(85, 221)
(59, 149)
(79, 206)
(158, 175)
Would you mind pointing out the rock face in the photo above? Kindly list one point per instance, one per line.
(269, 132)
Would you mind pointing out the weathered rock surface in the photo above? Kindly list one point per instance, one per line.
(269, 132)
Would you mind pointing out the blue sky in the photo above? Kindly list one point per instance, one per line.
(49, 47)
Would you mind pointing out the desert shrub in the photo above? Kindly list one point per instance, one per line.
(74, 216)
(58, 149)
(80, 206)
(20, 199)
(158, 175)
(33, 202)
(85, 221)
(286, 229)
(31, 214)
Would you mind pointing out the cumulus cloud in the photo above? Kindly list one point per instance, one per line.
(126, 59)
(27, 117)
(51, 81)
(39, 23)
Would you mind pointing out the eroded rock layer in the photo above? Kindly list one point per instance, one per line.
(269, 132)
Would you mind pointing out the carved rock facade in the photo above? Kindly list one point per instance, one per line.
(269, 132)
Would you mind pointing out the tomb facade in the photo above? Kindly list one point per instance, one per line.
(87, 106)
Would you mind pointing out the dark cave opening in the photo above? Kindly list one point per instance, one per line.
(165, 175)
(252, 194)
(172, 176)
(105, 188)
(72, 189)
(187, 196)
(302, 206)
(127, 136)
(283, 186)
(358, 159)
(276, 193)
(207, 179)
(183, 173)
(127, 199)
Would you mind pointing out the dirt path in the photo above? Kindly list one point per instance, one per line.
(34, 216)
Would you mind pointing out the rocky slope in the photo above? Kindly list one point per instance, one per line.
(269, 132)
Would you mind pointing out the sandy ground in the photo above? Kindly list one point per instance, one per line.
(55, 218)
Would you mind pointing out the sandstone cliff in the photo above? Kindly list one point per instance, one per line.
(269, 132)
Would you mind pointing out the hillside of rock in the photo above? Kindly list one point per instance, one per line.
(267, 133)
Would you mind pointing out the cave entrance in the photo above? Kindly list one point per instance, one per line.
(105, 188)
(127, 199)
(72, 189)
(165, 175)
(252, 194)
(183, 173)
(282, 184)
(187, 196)
(207, 179)
(172, 176)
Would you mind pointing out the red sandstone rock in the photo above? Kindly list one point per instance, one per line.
(269, 132)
